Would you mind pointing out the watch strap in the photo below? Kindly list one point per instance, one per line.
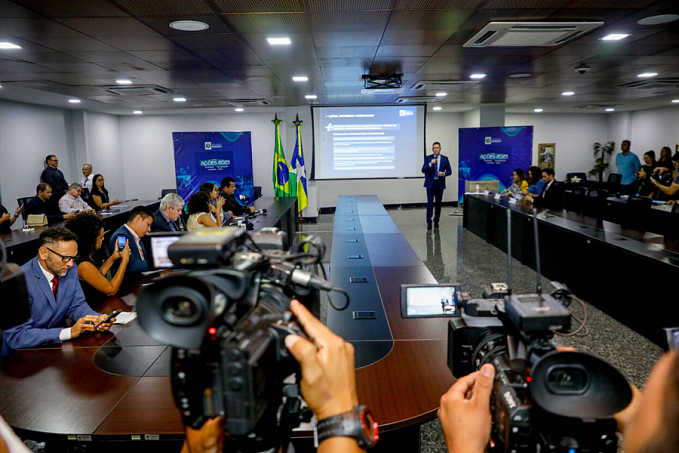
(347, 424)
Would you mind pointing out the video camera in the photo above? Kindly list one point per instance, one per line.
(542, 399)
(226, 320)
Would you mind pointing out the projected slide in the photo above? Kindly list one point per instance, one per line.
(368, 142)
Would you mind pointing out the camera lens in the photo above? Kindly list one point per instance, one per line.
(180, 311)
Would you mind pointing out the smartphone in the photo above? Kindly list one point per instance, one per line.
(672, 334)
(122, 241)
(108, 318)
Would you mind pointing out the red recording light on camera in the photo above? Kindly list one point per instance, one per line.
(212, 330)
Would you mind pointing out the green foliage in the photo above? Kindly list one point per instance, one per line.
(602, 154)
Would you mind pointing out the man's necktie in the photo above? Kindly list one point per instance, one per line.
(55, 286)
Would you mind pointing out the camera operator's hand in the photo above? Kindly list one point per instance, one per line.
(328, 377)
(208, 439)
(465, 412)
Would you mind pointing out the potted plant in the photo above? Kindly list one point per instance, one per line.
(602, 156)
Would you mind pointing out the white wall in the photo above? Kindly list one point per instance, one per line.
(102, 144)
(573, 134)
(28, 133)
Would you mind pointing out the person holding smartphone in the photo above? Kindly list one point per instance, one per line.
(7, 220)
(92, 274)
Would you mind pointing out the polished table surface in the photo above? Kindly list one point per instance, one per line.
(56, 391)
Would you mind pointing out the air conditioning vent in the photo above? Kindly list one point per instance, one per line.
(136, 90)
(437, 85)
(246, 102)
(652, 84)
(414, 99)
(529, 34)
(594, 106)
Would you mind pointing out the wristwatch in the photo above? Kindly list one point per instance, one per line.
(359, 424)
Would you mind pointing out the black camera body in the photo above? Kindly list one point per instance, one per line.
(227, 322)
(541, 398)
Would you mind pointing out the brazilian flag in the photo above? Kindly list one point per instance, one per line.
(281, 174)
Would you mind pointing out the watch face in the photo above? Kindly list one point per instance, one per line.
(369, 425)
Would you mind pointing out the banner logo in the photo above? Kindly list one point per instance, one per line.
(210, 145)
(488, 142)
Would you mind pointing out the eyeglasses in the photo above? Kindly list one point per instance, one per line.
(65, 259)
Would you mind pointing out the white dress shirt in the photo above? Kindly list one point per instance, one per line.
(69, 203)
(87, 182)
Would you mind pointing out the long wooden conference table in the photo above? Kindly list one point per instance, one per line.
(115, 385)
(628, 274)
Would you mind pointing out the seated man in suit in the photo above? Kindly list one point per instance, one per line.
(138, 224)
(55, 294)
(43, 203)
(227, 190)
(552, 194)
(168, 215)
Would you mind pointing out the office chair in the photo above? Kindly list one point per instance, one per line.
(166, 191)
(594, 202)
(22, 202)
(576, 178)
(258, 192)
(636, 212)
(575, 201)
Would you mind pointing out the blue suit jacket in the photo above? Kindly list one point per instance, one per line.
(430, 171)
(136, 264)
(46, 313)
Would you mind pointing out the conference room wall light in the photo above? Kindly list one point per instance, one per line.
(124, 82)
(610, 110)
(74, 101)
(477, 76)
(240, 109)
(137, 112)
(8, 45)
(437, 108)
(440, 95)
(568, 93)
(614, 37)
(310, 96)
(179, 99)
(647, 74)
(279, 41)
(300, 79)
(538, 110)
(675, 101)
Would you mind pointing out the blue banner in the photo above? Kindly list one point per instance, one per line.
(201, 157)
(492, 154)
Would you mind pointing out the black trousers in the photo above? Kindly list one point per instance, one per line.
(434, 197)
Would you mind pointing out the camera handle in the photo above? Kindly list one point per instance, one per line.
(292, 413)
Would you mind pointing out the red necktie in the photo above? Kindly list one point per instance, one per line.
(55, 286)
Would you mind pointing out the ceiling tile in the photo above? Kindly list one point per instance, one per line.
(415, 37)
(406, 51)
(79, 44)
(268, 23)
(428, 19)
(346, 52)
(350, 21)
(347, 5)
(27, 27)
(72, 8)
(105, 27)
(164, 7)
(347, 39)
(209, 41)
(137, 43)
(259, 6)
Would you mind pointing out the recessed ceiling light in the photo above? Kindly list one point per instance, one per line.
(74, 101)
(300, 79)
(477, 76)
(614, 37)
(279, 41)
(124, 82)
(0, 86)
(189, 25)
(610, 110)
(437, 108)
(647, 74)
(137, 112)
(675, 101)
(520, 75)
(440, 95)
(240, 109)
(537, 110)
(179, 99)
(657, 20)
(568, 93)
(310, 96)
(8, 45)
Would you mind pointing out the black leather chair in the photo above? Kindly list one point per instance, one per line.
(576, 178)
(594, 202)
(166, 191)
(258, 192)
(636, 212)
(22, 202)
(575, 201)
(614, 178)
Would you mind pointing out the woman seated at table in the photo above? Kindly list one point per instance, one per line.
(90, 231)
(198, 208)
(519, 179)
(99, 194)
(212, 190)
(537, 185)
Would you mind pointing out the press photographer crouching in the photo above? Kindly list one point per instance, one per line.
(236, 337)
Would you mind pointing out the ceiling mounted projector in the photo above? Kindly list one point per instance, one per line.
(382, 81)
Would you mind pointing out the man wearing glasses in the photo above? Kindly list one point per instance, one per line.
(55, 294)
(54, 177)
(72, 202)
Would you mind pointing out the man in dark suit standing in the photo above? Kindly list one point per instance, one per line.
(436, 167)
(55, 294)
(168, 215)
(552, 195)
(138, 224)
(54, 177)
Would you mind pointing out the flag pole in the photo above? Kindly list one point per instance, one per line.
(297, 124)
